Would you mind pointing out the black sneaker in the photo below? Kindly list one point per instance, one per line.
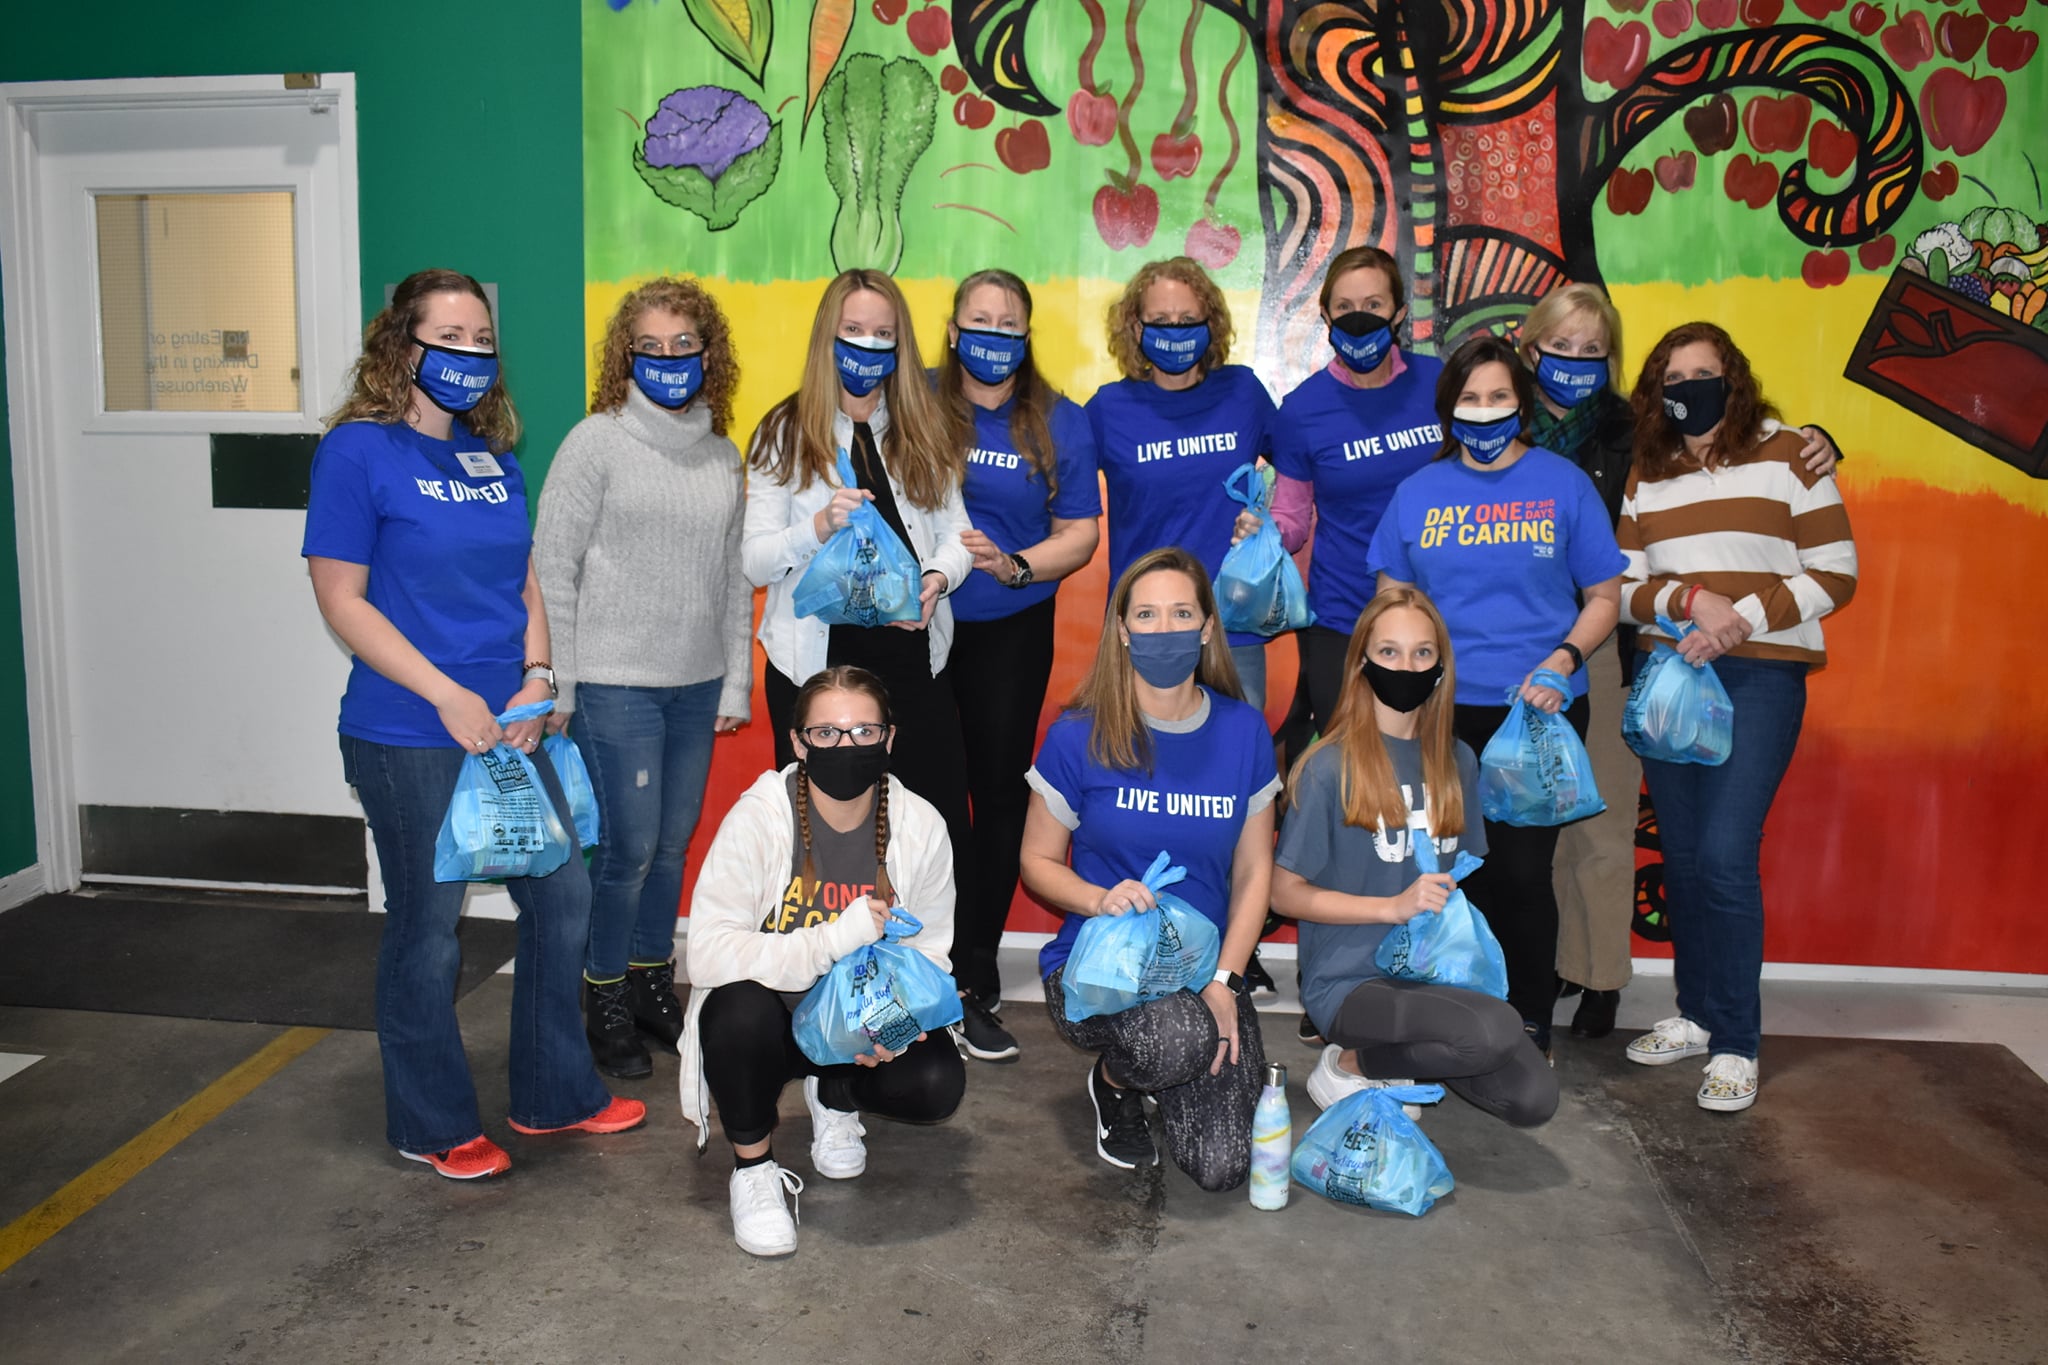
(1539, 1034)
(1123, 1135)
(1306, 1031)
(992, 1001)
(608, 1025)
(1257, 979)
(651, 993)
(978, 1034)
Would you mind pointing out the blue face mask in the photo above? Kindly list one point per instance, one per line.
(991, 357)
(669, 381)
(454, 380)
(1486, 432)
(1166, 658)
(1569, 380)
(1363, 341)
(1174, 350)
(864, 362)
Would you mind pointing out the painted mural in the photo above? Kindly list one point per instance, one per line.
(1853, 190)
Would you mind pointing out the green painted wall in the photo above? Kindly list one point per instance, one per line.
(469, 154)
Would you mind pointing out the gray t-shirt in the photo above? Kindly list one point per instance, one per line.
(1317, 845)
(843, 872)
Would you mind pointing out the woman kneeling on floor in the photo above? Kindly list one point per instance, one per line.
(1388, 772)
(803, 872)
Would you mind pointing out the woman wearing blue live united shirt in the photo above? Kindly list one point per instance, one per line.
(421, 560)
(1174, 427)
(1513, 544)
(1030, 491)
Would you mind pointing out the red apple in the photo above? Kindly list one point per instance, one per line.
(1960, 35)
(1712, 126)
(972, 111)
(889, 11)
(1091, 118)
(1776, 125)
(1961, 114)
(1676, 173)
(1126, 215)
(1999, 11)
(1866, 19)
(931, 30)
(1672, 17)
(1823, 268)
(1910, 41)
(1629, 191)
(1717, 13)
(1615, 56)
(1215, 245)
(2011, 48)
(1876, 255)
(1025, 148)
(952, 80)
(1819, 9)
(1942, 181)
(1176, 157)
(1761, 13)
(1754, 183)
(1831, 149)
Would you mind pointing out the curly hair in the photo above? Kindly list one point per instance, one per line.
(1660, 446)
(1127, 315)
(674, 295)
(1032, 398)
(381, 380)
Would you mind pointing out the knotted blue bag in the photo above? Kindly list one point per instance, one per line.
(1535, 770)
(1122, 961)
(864, 575)
(1448, 947)
(1677, 713)
(1364, 1150)
(883, 993)
(1257, 586)
(500, 822)
(575, 778)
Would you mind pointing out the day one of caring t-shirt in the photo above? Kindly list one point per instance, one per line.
(1502, 553)
(842, 866)
(1164, 456)
(1005, 499)
(447, 552)
(1209, 773)
(1355, 446)
(1316, 845)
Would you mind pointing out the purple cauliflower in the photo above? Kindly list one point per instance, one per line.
(707, 127)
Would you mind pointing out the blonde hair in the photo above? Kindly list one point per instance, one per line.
(794, 441)
(673, 295)
(1031, 398)
(381, 380)
(1126, 315)
(1118, 735)
(1564, 304)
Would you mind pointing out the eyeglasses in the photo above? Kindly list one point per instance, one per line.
(674, 347)
(863, 735)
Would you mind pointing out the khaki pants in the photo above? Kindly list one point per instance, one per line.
(1595, 869)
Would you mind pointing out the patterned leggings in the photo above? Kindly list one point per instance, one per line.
(1165, 1048)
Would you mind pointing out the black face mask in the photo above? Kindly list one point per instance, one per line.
(845, 771)
(1402, 689)
(1696, 406)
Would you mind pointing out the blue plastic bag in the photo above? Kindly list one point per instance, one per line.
(864, 575)
(1535, 770)
(879, 993)
(1364, 1150)
(568, 760)
(1258, 588)
(1448, 947)
(500, 822)
(1677, 713)
(1122, 961)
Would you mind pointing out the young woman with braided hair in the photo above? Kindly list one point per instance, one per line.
(803, 872)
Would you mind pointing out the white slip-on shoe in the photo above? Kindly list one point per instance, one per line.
(836, 1147)
(1730, 1086)
(1669, 1040)
(761, 1223)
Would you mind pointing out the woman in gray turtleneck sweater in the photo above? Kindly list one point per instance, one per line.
(638, 549)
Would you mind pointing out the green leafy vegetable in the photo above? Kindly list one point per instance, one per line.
(718, 202)
(878, 122)
(1996, 227)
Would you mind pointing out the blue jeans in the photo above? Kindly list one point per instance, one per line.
(649, 751)
(1711, 823)
(429, 1098)
(1251, 672)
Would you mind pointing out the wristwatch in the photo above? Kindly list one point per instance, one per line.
(1024, 574)
(546, 673)
(1226, 977)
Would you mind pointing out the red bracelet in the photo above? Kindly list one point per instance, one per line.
(1685, 608)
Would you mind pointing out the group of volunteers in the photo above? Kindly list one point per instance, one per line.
(1472, 524)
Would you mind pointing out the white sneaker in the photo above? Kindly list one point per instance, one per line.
(1669, 1040)
(761, 1223)
(1330, 1082)
(836, 1147)
(1730, 1085)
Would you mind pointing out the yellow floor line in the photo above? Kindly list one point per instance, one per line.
(50, 1217)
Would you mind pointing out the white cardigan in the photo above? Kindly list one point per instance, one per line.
(740, 886)
(780, 539)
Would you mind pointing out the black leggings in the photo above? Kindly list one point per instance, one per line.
(1322, 672)
(750, 1053)
(1471, 1042)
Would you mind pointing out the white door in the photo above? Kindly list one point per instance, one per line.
(181, 263)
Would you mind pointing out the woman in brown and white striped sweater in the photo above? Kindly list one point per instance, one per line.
(1723, 525)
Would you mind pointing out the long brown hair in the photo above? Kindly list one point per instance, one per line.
(380, 383)
(1660, 447)
(1031, 397)
(794, 441)
(1371, 797)
(1127, 315)
(1481, 348)
(1118, 737)
(842, 678)
(674, 295)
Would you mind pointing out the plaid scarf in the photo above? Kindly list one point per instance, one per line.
(1567, 435)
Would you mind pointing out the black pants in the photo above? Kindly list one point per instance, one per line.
(1322, 673)
(1471, 1042)
(750, 1053)
(1514, 889)
(999, 670)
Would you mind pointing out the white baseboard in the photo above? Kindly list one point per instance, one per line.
(1875, 976)
(19, 888)
(199, 884)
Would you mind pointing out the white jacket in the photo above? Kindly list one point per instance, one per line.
(740, 886)
(780, 539)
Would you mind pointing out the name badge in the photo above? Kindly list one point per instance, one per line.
(480, 464)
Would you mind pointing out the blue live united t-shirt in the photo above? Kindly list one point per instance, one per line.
(1209, 773)
(1503, 554)
(447, 552)
(1355, 446)
(1005, 499)
(1164, 456)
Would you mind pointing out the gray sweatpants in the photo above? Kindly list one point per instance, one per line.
(1471, 1042)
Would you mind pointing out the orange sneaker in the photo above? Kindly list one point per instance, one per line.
(615, 1117)
(473, 1160)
